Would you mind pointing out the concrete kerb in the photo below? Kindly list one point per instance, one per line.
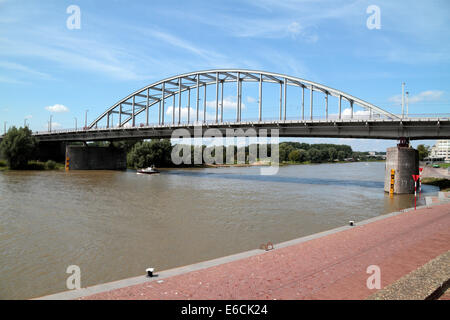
(428, 282)
(75, 294)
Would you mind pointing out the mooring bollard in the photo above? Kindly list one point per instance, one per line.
(149, 272)
(266, 247)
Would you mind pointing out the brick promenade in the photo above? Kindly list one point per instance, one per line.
(329, 267)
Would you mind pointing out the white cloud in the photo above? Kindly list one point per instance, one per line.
(184, 114)
(274, 29)
(348, 112)
(228, 103)
(55, 125)
(294, 28)
(429, 95)
(11, 80)
(23, 69)
(251, 99)
(184, 111)
(29, 116)
(57, 108)
(73, 53)
(180, 43)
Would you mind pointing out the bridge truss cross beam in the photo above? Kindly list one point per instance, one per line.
(160, 92)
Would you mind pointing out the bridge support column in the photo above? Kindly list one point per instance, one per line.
(51, 151)
(405, 161)
(96, 158)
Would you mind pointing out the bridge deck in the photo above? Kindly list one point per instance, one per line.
(428, 128)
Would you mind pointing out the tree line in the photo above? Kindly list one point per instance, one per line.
(315, 153)
(158, 152)
(19, 147)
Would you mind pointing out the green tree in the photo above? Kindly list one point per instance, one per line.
(18, 147)
(423, 151)
(98, 144)
(323, 155)
(332, 153)
(284, 149)
(294, 155)
(127, 145)
(314, 155)
(50, 164)
(144, 154)
(297, 155)
(341, 155)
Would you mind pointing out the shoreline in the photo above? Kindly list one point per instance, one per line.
(110, 289)
(259, 164)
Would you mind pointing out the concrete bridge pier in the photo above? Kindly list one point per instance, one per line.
(81, 157)
(54, 150)
(405, 161)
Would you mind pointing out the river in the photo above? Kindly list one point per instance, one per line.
(114, 225)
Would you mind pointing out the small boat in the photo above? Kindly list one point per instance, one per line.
(149, 170)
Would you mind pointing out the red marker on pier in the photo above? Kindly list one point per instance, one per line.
(415, 177)
(420, 181)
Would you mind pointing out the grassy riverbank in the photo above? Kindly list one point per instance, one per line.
(444, 165)
(260, 163)
(3, 165)
(309, 162)
(35, 165)
(442, 183)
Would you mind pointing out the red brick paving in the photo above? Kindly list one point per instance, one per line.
(330, 267)
(445, 296)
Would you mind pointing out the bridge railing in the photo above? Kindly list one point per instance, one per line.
(292, 119)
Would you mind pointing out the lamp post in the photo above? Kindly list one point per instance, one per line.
(403, 99)
(407, 104)
(75, 122)
(4, 126)
(50, 124)
(85, 119)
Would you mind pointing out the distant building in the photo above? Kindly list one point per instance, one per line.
(377, 155)
(441, 150)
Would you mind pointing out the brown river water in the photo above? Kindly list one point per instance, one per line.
(114, 225)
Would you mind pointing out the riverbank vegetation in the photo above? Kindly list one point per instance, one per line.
(442, 183)
(443, 165)
(304, 153)
(424, 151)
(3, 165)
(34, 165)
(147, 153)
(18, 147)
(158, 153)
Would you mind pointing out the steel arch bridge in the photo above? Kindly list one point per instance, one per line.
(189, 91)
(159, 93)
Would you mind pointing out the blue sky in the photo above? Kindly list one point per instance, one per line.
(47, 69)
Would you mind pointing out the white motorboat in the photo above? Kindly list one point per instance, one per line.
(149, 170)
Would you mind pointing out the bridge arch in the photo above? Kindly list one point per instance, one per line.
(159, 92)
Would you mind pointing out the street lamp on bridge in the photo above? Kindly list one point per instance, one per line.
(85, 119)
(407, 104)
